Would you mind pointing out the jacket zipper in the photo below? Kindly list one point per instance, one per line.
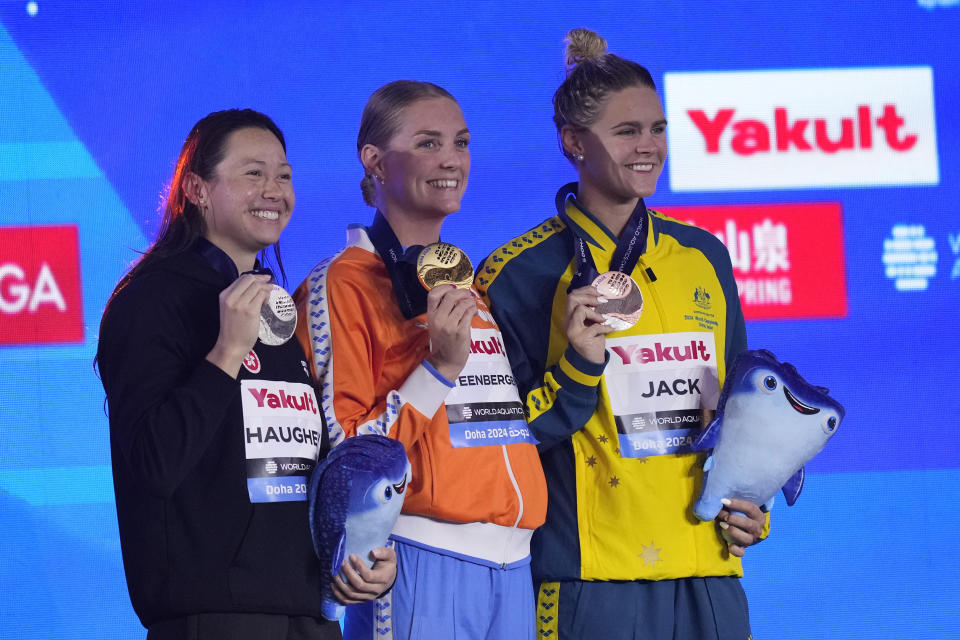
(516, 488)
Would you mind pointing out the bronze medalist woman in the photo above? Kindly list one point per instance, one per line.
(619, 323)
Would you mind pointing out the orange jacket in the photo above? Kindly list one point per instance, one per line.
(369, 363)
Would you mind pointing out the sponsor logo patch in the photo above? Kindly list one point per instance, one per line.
(252, 362)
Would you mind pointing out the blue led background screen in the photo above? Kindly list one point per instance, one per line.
(97, 98)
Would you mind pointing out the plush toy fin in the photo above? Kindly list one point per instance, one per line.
(793, 487)
(338, 554)
(708, 464)
(708, 438)
(332, 610)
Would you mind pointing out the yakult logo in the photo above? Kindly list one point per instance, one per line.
(811, 128)
(753, 136)
(40, 285)
(491, 346)
(658, 352)
(281, 399)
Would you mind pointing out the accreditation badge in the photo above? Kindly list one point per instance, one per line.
(442, 263)
(484, 407)
(659, 387)
(282, 433)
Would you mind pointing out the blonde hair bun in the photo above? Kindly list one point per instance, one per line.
(583, 44)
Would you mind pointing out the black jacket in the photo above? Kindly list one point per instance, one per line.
(192, 540)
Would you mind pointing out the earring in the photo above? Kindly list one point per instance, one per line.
(578, 157)
(379, 179)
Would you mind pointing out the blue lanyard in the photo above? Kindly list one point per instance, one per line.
(223, 264)
(630, 246)
(401, 267)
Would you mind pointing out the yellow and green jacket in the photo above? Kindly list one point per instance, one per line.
(611, 517)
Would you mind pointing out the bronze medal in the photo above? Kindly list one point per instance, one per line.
(442, 263)
(278, 318)
(624, 301)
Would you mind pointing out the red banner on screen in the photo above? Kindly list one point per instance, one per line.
(40, 299)
(787, 258)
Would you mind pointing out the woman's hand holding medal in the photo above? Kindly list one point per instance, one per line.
(446, 272)
(240, 305)
(449, 313)
(585, 327)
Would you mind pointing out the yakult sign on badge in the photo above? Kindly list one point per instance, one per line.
(658, 386)
(801, 128)
(282, 432)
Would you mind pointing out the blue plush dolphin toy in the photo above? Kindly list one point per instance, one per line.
(769, 423)
(355, 497)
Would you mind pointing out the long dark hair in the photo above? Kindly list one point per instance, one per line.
(202, 151)
(182, 221)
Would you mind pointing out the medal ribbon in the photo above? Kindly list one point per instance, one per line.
(630, 246)
(223, 264)
(401, 267)
(220, 262)
(216, 258)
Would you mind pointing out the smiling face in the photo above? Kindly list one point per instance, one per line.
(623, 151)
(425, 165)
(248, 202)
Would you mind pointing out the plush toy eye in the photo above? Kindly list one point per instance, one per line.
(769, 383)
(830, 425)
(381, 492)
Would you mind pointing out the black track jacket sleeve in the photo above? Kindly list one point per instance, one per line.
(166, 402)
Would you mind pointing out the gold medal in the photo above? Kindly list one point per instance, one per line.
(278, 318)
(441, 263)
(624, 301)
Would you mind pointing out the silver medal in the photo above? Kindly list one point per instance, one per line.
(278, 318)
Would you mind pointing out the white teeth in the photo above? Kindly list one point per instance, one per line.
(640, 167)
(443, 184)
(266, 215)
